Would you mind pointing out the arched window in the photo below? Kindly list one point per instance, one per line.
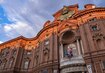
(26, 64)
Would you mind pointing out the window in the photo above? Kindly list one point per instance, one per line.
(65, 50)
(0, 64)
(45, 71)
(103, 63)
(26, 64)
(94, 27)
(55, 71)
(11, 62)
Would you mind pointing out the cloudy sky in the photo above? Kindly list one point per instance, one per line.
(26, 17)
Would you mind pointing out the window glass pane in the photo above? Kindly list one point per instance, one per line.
(104, 64)
(26, 64)
(55, 71)
(94, 28)
(11, 62)
(65, 50)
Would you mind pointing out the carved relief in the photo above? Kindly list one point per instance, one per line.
(98, 35)
(66, 13)
(46, 51)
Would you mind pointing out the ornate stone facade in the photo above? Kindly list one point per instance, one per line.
(73, 43)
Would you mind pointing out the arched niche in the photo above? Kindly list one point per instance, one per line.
(67, 37)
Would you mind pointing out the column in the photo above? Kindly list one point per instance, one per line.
(78, 46)
(61, 50)
(82, 47)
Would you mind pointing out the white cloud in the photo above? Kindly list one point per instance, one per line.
(19, 28)
(1, 1)
(7, 28)
(1, 42)
(30, 15)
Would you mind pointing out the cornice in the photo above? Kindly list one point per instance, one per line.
(15, 39)
(84, 12)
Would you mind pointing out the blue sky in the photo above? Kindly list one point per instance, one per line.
(26, 17)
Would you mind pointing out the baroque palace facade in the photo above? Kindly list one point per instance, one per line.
(74, 42)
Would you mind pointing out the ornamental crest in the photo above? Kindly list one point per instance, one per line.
(66, 13)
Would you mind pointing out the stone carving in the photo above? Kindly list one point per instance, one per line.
(98, 35)
(66, 13)
(46, 51)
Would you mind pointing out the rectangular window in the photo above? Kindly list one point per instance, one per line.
(65, 50)
(45, 71)
(55, 71)
(103, 64)
(26, 64)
